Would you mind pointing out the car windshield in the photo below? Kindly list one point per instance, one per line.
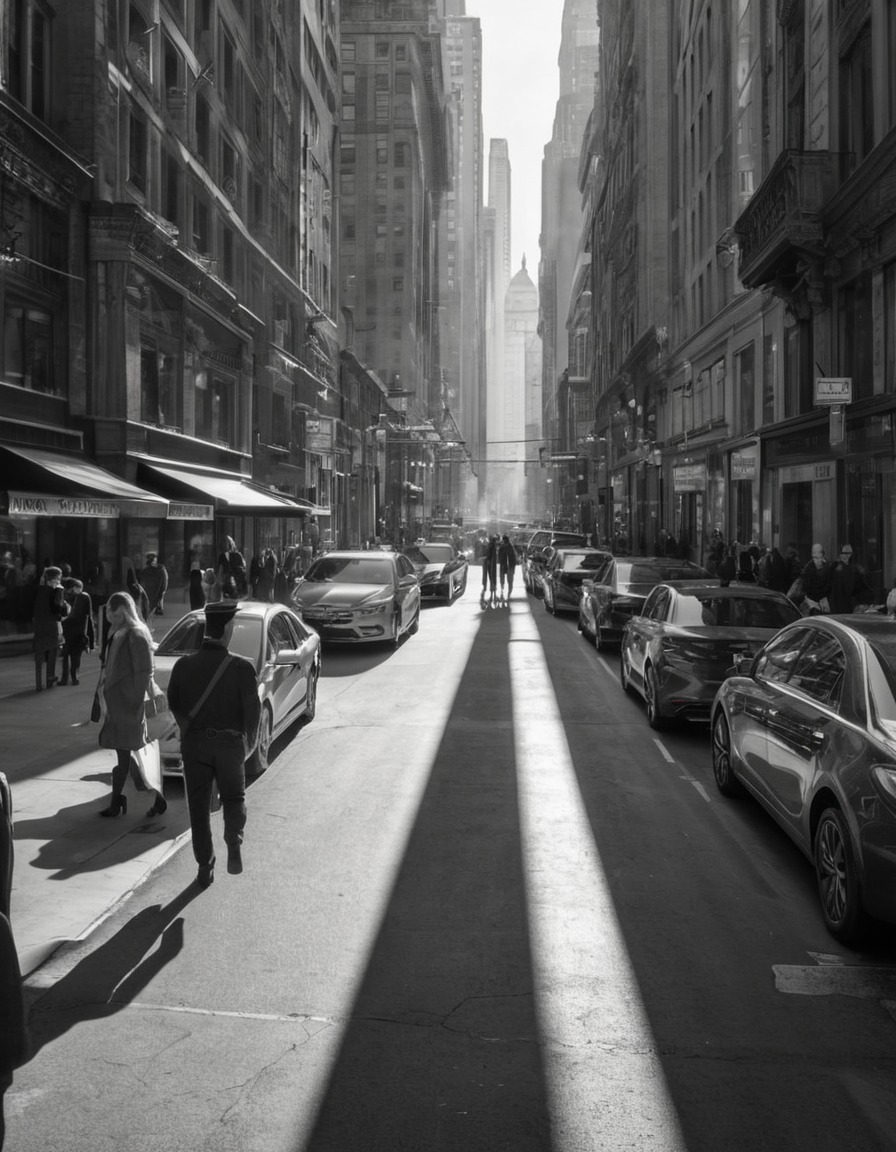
(590, 561)
(186, 636)
(430, 553)
(884, 648)
(350, 570)
(640, 577)
(735, 612)
(560, 539)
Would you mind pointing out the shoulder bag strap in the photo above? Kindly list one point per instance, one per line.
(219, 672)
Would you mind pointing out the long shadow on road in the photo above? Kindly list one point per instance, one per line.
(441, 1052)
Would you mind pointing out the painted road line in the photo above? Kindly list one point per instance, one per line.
(667, 755)
(685, 775)
(606, 667)
(858, 980)
(606, 1087)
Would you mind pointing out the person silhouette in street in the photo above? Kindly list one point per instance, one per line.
(50, 609)
(137, 593)
(490, 570)
(77, 631)
(849, 585)
(214, 697)
(506, 564)
(816, 584)
(154, 578)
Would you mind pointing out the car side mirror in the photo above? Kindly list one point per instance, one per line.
(286, 656)
(743, 664)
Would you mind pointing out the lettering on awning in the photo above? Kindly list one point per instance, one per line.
(34, 504)
(180, 511)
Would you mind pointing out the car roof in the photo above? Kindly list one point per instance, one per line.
(358, 554)
(741, 591)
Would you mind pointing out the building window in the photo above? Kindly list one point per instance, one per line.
(746, 388)
(856, 335)
(203, 130)
(398, 284)
(157, 387)
(228, 256)
(230, 172)
(382, 105)
(28, 349)
(213, 406)
(201, 226)
(857, 100)
(139, 42)
(348, 51)
(400, 154)
(382, 49)
(401, 52)
(403, 83)
(171, 182)
(137, 143)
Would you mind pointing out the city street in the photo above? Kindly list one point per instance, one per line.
(484, 907)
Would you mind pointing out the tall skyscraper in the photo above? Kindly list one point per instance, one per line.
(498, 279)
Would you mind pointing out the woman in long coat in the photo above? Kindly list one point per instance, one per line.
(127, 672)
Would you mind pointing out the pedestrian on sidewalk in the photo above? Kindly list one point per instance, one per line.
(137, 593)
(154, 578)
(50, 609)
(490, 569)
(197, 587)
(124, 682)
(214, 697)
(506, 564)
(77, 631)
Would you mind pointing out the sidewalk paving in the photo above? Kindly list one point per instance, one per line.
(71, 867)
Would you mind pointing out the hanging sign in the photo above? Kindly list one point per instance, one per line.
(833, 390)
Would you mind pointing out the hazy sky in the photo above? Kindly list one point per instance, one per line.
(521, 83)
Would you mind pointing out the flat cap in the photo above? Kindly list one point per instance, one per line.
(222, 610)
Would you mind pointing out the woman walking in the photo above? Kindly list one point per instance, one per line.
(124, 681)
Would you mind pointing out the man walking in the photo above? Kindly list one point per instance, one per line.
(506, 564)
(214, 697)
(154, 578)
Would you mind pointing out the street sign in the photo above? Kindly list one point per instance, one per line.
(833, 390)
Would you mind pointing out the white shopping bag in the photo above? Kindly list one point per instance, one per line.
(146, 767)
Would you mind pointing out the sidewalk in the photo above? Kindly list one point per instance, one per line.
(71, 868)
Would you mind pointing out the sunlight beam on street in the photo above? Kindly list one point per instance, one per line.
(606, 1086)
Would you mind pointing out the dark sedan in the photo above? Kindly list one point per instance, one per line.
(538, 550)
(677, 652)
(284, 653)
(354, 597)
(808, 728)
(564, 573)
(440, 568)
(609, 603)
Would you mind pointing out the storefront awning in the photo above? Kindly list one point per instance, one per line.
(42, 483)
(234, 496)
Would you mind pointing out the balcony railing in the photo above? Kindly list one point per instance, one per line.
(783, 219)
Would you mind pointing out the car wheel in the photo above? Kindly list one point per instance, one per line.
(651, 698)
(624, 672)
(726, 782)
(838, 880)
(311, 694)
(258, 761)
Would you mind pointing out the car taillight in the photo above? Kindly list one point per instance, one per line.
(884, 777)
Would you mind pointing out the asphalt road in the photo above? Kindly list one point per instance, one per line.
(484, 907)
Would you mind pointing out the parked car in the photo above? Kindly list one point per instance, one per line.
(440, 568)
(564, 572)
(679, 649)
(285, 654)
(808, 728)
(537, 551)
(608, 603)
(358, 597)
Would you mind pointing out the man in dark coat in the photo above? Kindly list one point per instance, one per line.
(816, 582)
(50, 608)
(849, 587)
(506, 564)
(77, 630)
(490, 568)
(218, 729)
(154, 578)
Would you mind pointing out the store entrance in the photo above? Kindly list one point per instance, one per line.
(796, 518)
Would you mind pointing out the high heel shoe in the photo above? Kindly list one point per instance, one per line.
(118, 807)
(160, 806)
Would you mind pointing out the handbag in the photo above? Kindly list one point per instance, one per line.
(146, 767)
(156, 712)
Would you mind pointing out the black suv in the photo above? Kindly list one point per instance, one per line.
(538, 548)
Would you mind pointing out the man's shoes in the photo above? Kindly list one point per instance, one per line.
(205, 877)
(234, 859)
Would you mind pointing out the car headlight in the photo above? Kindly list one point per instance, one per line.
(373, 609)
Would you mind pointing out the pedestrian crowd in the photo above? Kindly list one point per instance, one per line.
(817, 586)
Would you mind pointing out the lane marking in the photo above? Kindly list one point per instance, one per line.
(861, 981)
(667, 755)
(605, 1082)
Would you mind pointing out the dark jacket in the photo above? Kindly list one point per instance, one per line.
(77, 627)
(490, 564)
(233, 703)
(154, 578)
(848, 587)
(506, 556)
(197, 589)
(816, 581)
(50, 608)
(126, 676)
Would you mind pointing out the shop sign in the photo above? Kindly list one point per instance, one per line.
(689, 477)
(33, 504)
(319, 435)
(178, 511)
(833, 389)
(743, 466)
(806, 473)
